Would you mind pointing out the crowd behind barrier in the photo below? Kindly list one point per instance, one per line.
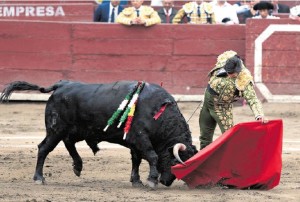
(290, 3)
(214, 13)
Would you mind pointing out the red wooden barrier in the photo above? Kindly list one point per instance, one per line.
(280, 53)
(180, 56)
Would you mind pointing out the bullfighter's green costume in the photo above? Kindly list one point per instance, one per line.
(221, 91)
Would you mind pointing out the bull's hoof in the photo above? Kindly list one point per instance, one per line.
(39, 179)
(152, 185)
(40, 182)
(138, 184)
(77, 172)
(166, 183)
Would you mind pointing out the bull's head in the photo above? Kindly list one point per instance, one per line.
(178, 154)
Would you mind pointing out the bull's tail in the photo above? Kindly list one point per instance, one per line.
(22, 85)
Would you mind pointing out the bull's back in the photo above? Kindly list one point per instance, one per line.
(76, 101)
(88, 98)
(86, 108)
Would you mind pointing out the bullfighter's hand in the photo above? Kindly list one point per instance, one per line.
(263, 119)
(134, 21)
(140, 21)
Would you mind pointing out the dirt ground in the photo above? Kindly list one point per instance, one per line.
(105, 177)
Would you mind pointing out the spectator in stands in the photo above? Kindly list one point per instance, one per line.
(108, 12)
(295, 13)
(196, 12)
(138, 15)
(249, 13)
(225, 12)
(167, 12)
(279, 8)
(264, 8)
(242, 6)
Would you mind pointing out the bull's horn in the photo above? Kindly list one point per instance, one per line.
(176, 148)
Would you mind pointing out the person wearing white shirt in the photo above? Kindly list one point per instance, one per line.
(108, 12)
(225, 13)
(241, 6)
(295, 13)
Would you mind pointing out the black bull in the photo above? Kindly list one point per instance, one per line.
(77, 111)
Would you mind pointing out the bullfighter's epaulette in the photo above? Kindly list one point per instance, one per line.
(243, 79)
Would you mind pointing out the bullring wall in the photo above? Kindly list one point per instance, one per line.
(178, 56)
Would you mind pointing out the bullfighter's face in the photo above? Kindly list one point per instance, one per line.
(167, 4)
(264, 13)
(115, 2)
(137, 3)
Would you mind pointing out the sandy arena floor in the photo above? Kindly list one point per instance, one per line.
(105, 177)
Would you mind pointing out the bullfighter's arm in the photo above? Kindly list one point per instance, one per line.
(178, 17)
(154, 19)
(254, 103)
(124, 19)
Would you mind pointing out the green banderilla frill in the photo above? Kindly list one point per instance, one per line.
(121, 107)
(132, 101)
